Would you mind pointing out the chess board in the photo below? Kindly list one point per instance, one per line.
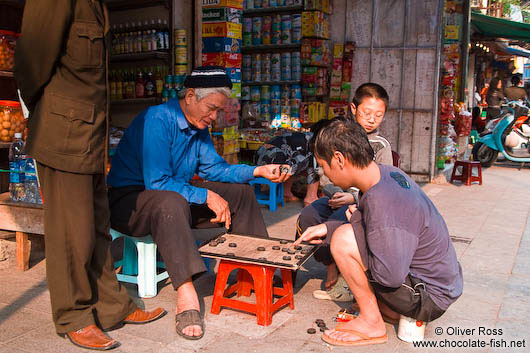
(273, 252)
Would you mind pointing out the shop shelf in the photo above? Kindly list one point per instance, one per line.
(13, 3)
(6, 73)
(274, 10)
(118, 5)
(163, 55)
(271, 47)
(148, 101)
(4, 144)
(263, 83)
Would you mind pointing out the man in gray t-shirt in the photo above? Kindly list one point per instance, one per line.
(395, 255)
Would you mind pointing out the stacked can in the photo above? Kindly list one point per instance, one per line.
(181, 52)
(246, 71)
(276, 67)
(255, 93)
(266, 27)
(286, 29)
(296, 66)
(286, 66)
(266, 67)
(296, 100)
(245, 93)
(276, 29)
(256, 67)
(256, 30)
(247, 31)
(275, 101)
(296, 32)
(265, 3)
(265, 101)
(257, 4)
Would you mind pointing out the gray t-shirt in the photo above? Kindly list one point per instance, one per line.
(405, 234)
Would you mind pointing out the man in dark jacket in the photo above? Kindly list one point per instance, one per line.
(61, 71)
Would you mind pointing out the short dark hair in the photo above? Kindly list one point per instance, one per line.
(370, 90)
(314, 129)
(515, 80)
(345, 136)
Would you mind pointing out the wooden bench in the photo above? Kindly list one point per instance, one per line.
(23, 219)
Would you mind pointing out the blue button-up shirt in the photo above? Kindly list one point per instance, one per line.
(162, 151)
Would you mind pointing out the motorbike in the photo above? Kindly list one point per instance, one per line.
(508, 134)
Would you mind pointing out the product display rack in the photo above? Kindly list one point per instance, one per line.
(6, 73)
(274, 10)
(269, 83)
(156, 54)
(248, 49)
(159, 57)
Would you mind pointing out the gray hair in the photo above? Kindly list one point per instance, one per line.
(203, 92)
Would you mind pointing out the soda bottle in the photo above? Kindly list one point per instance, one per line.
(150, 88)
(140, 85)
(31, 184)
(17, 159)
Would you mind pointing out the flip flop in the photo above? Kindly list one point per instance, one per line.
(189, 318)
(339, 292)
(364, 341)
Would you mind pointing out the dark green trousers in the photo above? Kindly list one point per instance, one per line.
(79, 266)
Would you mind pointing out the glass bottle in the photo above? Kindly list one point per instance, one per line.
(140, 85)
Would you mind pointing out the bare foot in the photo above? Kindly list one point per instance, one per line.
(186, 300)
(289, 197)
(332, 276)
(371, 329)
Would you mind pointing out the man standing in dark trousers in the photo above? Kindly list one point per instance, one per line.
(151, 193)
(61, 71)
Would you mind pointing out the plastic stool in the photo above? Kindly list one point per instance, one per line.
(273, 198)
(139, 265)
(467, 176)
(259, 278)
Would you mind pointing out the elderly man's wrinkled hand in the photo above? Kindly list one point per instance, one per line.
(220, 207)
(277, 173)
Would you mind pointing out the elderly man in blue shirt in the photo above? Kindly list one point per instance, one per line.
(151, 192)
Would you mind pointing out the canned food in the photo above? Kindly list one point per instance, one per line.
(247, 24)
(276, 75)
(245, 93)
(246, 61)
(255, 93)
(181, 37)
(275, 93)
(265, 108)
(181, 55)
(275, 108)
(286, 22)
(265, 93)
(247, 38)
(265, 3)
(296, 21)
(181, 69)
(256, 30)
(285, 93)
(256, 75)
(266, 75)
(296, 92)
(296, 35)
(256, 62)
(257, 4)
(249, 4)
(246, 74)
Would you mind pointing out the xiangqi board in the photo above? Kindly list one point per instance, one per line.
(263, 251)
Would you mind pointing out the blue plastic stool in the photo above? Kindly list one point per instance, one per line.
(273, 198)
(139, 265)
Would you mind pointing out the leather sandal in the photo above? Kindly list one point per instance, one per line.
(188, 318)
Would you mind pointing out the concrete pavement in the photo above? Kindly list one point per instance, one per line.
(490, 231)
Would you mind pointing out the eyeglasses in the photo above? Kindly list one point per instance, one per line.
(377, 117)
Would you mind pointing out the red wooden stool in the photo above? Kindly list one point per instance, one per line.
(259, 278)
(467, 176)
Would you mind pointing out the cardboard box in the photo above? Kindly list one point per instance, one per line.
(338, 51)
(222, 29)
(334, 93)
(238, 4)
(227, 60)
(221, 45)
(345, 91)
(234, 74)
(222, 14)
(236, 90)
(338, 109)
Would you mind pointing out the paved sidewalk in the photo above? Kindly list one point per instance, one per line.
(488, 225)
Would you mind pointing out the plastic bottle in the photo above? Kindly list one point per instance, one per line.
(166, 35)
(159, 83)
(159, 35)
(17, 159)
(31, 184)
(150, 88)
(140, 85)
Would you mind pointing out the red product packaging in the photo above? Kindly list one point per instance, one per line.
(228, 60)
